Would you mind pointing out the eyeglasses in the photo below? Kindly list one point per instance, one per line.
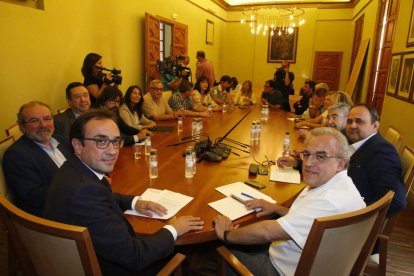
(320, 157)
(357, 121)
(38, 120)
(103, 143)
(157, 89)
(334, 117)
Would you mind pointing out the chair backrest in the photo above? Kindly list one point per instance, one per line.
(394, 137)
(341, 244)
(45, 247)
(407, 163)
(14, 131)
(4, 188)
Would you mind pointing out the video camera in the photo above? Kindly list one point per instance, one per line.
(172, 67)
(115, 74)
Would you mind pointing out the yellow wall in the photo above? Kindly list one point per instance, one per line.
(396, 112)
(42, 50)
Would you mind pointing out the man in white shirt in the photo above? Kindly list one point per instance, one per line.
(329, 192)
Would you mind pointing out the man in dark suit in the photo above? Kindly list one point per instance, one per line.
(31, 162)
(375, 166)
(80, 195)
(79, 102)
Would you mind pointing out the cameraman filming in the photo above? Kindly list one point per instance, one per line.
(173, 73)
(95, 80)
(284, 83)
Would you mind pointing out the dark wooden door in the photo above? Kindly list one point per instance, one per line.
(327, 68)
(152, 48)
(359, 27)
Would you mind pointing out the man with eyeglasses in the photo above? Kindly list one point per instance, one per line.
(111, 99)
(155, 106)
(79, 102)
(375, 167)
(271, 96)
(31, 162)
(329, 192)
(80, 194)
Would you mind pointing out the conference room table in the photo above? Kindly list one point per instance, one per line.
(131, 176)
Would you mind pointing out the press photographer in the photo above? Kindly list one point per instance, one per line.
(284, 82)
(113, 76)
(173, 72)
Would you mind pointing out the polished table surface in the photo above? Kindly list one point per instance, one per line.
(131, 176)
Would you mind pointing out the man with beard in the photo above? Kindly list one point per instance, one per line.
(31, 162)
(111, 99)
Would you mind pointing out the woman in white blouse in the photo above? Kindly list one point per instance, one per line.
(201, 94)
(131, 110)
(246, 95)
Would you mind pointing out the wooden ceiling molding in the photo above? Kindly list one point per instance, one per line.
(300, 4)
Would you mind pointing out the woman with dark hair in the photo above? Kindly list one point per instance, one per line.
(131, 110)
(235, 87)
(94, 79)
(201, 94)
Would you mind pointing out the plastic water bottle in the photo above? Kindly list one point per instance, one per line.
(286, 144)
(209, 109)
(193, 153)
(147, 144)
(253, 131)
(266, 117)
(200, 124)
(153, 164)
(263, 112)
(180, 123)
(189, 163)
(258, 130)
(224, 107)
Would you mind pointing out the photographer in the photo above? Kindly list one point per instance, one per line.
(172, 73)
(284, 83)
(94, 78)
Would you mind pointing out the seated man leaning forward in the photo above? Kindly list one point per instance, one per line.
(271, 96)
(81, 195)
(329, 192)
(183, 102)
(155, 105)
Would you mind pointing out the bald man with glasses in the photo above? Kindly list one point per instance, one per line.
(31, 162)
(80, 194)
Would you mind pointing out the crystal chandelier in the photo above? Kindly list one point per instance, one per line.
(275, 20)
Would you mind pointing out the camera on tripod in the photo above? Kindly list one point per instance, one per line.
(115, 74)
(172, 67)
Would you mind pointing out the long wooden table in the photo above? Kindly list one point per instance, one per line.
(131, 176)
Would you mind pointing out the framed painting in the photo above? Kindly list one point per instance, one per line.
(410, 35)
(282, 47)
(394, 71)
(209, 32)
(405, 83)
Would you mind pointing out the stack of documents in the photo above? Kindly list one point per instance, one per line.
(174, 202)
(286, 174)
(233, 208)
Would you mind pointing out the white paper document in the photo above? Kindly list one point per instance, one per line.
(172, 201)
(231, 207)
(286, 174)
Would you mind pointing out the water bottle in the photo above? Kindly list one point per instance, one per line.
(258, 130)
(153, 164)
(194, 127)
(253, 131)
(200, 124)
(193, 153)
(286, 144)
(266, 109)
(224, 107)
(189, 163)
(147, 144)
(209, 109)
(180, 123)
(263, 113)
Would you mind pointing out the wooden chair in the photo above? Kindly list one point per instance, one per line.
(4, 189)
(14, 131)
(377, 264)
(45, 247)
(394, 137)
(336, 245)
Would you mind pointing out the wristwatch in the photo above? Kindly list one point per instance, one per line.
(225, 236)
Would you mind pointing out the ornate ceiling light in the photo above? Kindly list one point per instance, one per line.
(275, 20)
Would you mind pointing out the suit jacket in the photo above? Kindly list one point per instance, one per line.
(63, 122)
(29, 171)
(76, 196)
(375, 168)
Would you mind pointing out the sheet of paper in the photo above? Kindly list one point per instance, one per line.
(238, 188)
(289, 175)
(174, 202)
(230, 207)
